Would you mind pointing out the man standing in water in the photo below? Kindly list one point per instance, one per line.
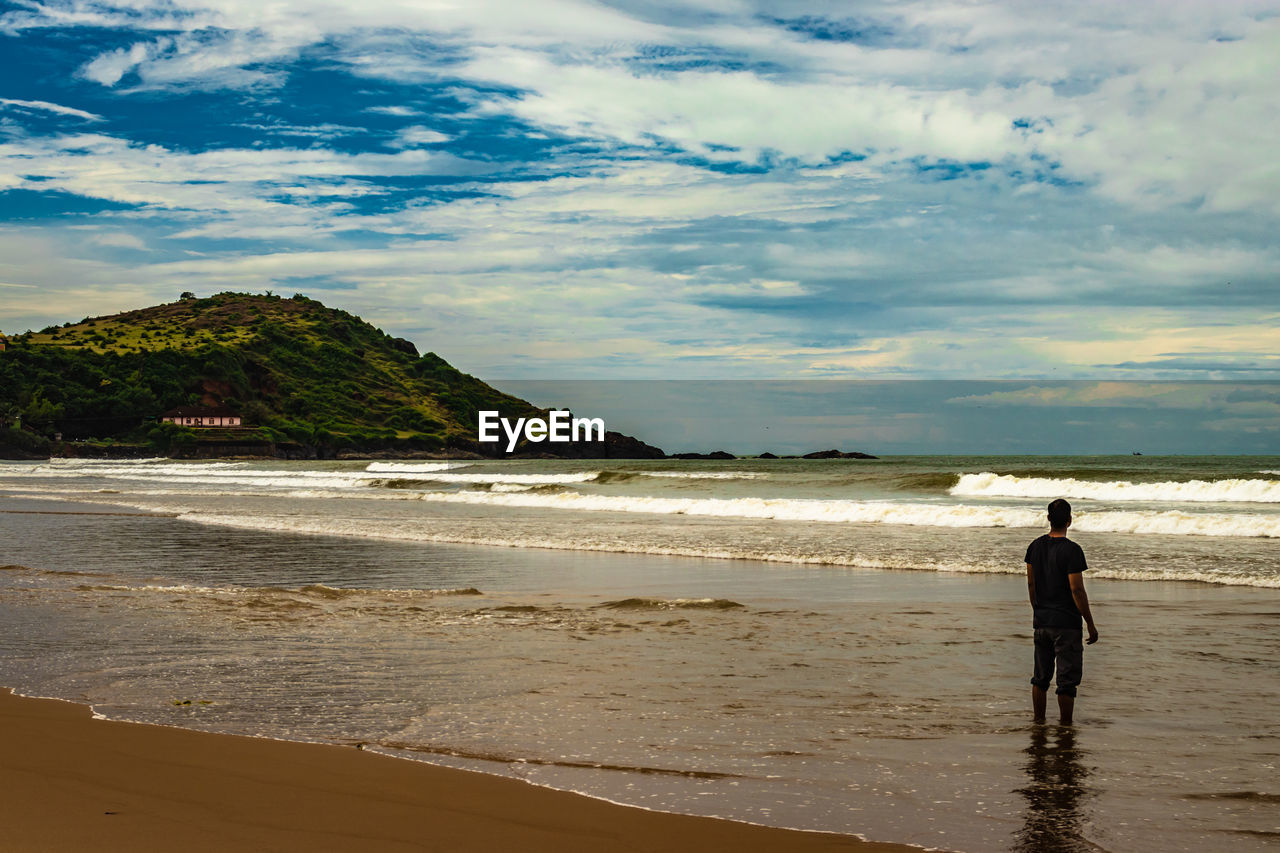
(1055, 583)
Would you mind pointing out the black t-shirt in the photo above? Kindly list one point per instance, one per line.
(1052, 558)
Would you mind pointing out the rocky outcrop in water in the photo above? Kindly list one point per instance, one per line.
(715, 454)
(838, 454)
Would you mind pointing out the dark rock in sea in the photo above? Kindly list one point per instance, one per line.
(615, 446)
(766, 455)
(619, 446)
(715, 454)
(836, 454)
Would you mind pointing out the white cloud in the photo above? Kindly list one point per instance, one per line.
(45, 106)
(327, 130)
(1219, 397)
(119, 240)
(397, 110)
(108, 68)
(201, 60)
(222, 181)
(412, 137)
(1152, 108)
(1190, 263)
(702, 111)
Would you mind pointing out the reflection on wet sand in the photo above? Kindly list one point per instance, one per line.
(1056, 793)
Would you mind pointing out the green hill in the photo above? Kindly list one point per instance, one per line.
(307, 380)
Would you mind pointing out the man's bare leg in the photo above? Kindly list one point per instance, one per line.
(1038, 700)
(1066, 704)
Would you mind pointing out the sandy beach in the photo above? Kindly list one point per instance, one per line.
(77, 783)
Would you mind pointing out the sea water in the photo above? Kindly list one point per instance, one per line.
(838, 645)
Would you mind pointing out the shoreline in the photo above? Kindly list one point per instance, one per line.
(77, 781)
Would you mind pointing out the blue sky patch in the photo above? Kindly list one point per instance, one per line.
(26, 205)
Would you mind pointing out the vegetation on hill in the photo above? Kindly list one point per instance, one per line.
(297, 372)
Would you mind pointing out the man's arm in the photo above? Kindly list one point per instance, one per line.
(1081, 599)
(1031, 585)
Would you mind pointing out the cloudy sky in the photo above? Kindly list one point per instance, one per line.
(642, 189)
(948, 416)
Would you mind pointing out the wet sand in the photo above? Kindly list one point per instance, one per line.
(77, 783)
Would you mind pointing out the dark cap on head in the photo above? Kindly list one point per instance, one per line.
(1059, 514)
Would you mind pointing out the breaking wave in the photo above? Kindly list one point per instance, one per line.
(880, 512)
(91, 463)
(201, 474)
(518, 479)
(410, 467)
(988, 484)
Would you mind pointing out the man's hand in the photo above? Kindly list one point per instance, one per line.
(1081, 598)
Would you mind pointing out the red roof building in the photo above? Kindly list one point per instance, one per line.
(201, 416)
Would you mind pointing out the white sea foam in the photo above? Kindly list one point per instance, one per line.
(270, 480)
(524, 479)
(787, 509)
(90, 463)
(411, 467)
(400, 532)
(237, 473)
(1178, 523)
(232, 471)
(881, 512)
(988, 484)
